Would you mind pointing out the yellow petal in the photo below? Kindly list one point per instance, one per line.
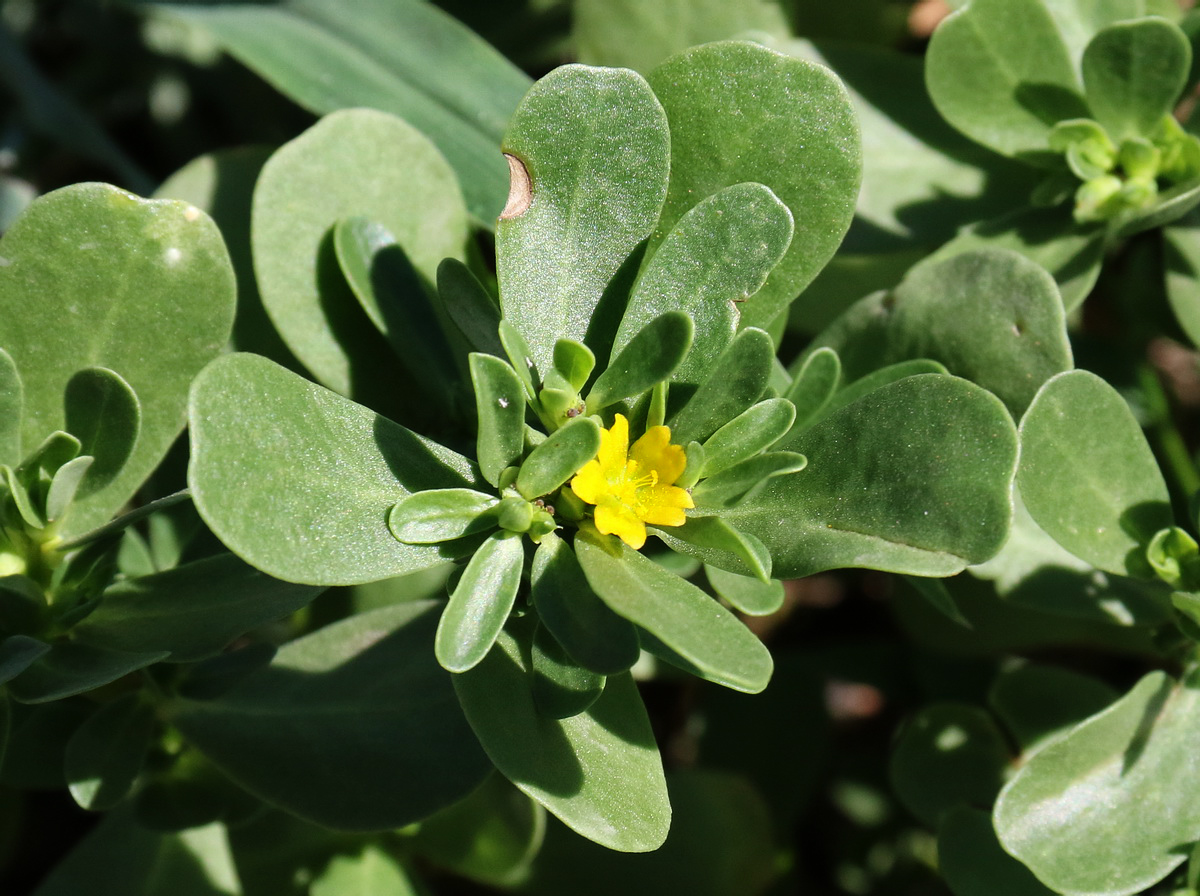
(654, 451)
(614, 518)
(590, 482)
(663, 505)
(614, 449)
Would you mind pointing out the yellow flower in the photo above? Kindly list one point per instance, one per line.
(634, 486)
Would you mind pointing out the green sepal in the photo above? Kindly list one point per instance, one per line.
(514, 515)
(676, 612)
(739, 482)
(500, 406)
(814, 385)
(558, 458)
(714, 541)
(561, 688)
(103, 412)
(650, 357)
(106, 753)
(1140, 158)
(594, 636)
(574, 361)
(747, 594)
(481, 602)
(519, 355)
(736, 380)
(441, 514)
(754, 430)
(469, 306)
(1180, 151)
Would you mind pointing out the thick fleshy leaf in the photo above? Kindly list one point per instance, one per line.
(469, 306)
(814, 385)
(683, 617)
(557, 459)
(736, 380)
(119, 857)
(298, 481)
(712, 540)
(1001, 72)
(1133, 73)
(561, 687)
(410, 59)
(741, 113)
(913, 477)
(1038, 702)
(741, 481)
(1048, 236)
(574, 361)
(652, 354)
(65, 485)
(493, 836)
(354, 727)
(104, 414)
(68, 303)
(716, 257)
(442, 514)
(599, 772)
(69, 668)
(18, 653)
(480, 603)
(754, 430)
(374, 870)
(989, 315)
(106, 753)
(500, 409)
(972, 862)
(393, 296)
(593, 147)
(745, 593)
(12, 400)
(594, 636)
(948, 755)
(1087, 474)
(1181, 257)
(358, 162)
(194, 610)
(640, 35)
(1113, 779)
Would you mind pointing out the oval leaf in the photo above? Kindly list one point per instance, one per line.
(441, 514)
(481, 602)
(106, 753)
(650, 356)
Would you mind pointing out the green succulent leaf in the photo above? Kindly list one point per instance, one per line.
(714, 541)
(72, 302)
(392, 294)
(1087, 475)
(913, 477)
(68, 668)
(590, 148)
(653, 353)
(814, 385)
(1002, 73)
(745, 593)
(716, 257)
(469, 306)
(741, 113)
(754, 430)
(559, 457)
(12, 401)
(354, 727)
(106, 753)
(574, 361)
(561, 687)
(1111, 779)
(739, 483)
(358, 162)
(18, 653)
(1133, 73)
(736, 380)
(683, 617)
(102, 411)
(410, 59)
(594, 636)
(194, 610)
(298, 481)
(599, 772)
(442, 514)
(480, 602)
(972, 861)
(1037, 703)
(374, 870)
